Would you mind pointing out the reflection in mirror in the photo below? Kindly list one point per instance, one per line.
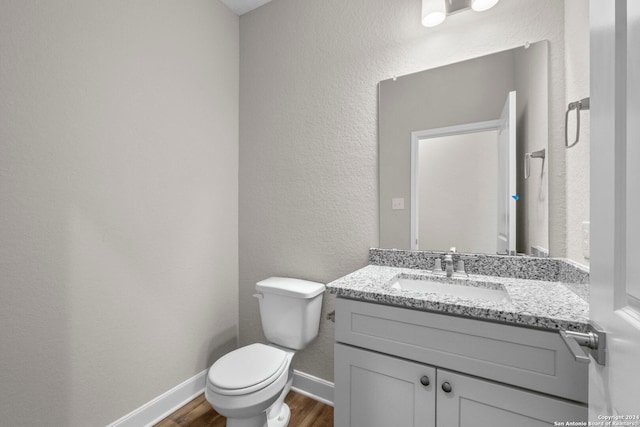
(478, 160)
(469, 163)
(460, 197)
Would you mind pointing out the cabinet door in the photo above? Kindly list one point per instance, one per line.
(473, 402)
(374, 390)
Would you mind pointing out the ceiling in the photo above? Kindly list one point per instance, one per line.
(243, 6)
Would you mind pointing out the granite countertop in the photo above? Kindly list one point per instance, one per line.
(533, 303)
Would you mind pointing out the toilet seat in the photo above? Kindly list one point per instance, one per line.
(247, 370)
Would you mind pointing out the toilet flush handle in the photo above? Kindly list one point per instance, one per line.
(259, 295)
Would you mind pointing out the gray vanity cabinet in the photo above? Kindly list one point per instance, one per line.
(376, 390)
(473, 402)
(401, 367)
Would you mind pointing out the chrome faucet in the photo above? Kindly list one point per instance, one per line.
(448, 262)
(449, 269)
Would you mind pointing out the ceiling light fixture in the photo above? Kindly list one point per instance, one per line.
(482, 5)
(434, 12)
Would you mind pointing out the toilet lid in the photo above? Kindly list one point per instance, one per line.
(251, 367)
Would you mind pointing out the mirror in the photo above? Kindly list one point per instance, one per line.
(458, 184)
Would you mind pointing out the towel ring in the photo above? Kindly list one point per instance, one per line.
(583, 104)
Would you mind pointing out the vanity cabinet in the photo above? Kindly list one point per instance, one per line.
(473, 402)
(373, 389)
(391, 365)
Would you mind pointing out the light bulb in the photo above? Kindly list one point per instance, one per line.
(434, 12)
(432, 19)
(482, 5)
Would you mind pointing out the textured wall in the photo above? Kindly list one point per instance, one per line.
(577, 70)
(308, 139)
(118, 212)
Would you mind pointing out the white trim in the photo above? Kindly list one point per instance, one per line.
(313, 387)
(508, 122)
(415, 139)
(418, 135)
(157, 409)
(456, 129)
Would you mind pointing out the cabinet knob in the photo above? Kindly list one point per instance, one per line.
(424, 380)
(446, 387)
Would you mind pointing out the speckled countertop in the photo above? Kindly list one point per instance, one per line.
(532, 303)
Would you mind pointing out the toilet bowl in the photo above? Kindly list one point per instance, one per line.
(249, 385)
(243, 384)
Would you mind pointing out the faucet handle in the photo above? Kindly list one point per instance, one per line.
(460, 270)
(461, 265)
(437, 267)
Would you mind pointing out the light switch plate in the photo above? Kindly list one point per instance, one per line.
(397, 203)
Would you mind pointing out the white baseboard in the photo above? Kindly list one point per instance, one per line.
(156, 410)
(313, 387)
(159, 408)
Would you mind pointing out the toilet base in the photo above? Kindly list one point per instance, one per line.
(278, 414)
(282, 420)
(257, 421)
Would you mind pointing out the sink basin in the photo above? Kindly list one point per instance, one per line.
(485, 291)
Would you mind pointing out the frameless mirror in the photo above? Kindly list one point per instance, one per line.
(452, 164)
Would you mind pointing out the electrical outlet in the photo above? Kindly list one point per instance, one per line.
(586, 240)
(397, 203)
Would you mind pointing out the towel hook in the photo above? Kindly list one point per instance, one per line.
(583, 104)
(540, 154)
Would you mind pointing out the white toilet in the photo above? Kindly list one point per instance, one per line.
(249, 385)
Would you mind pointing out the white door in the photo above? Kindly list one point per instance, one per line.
(615, 206)
(506, 240)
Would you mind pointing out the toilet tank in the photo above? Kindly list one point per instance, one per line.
(290, 310)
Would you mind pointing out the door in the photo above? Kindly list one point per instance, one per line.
(506, 239)
(465, 401)
(615, 205)
(463, 215)
(374, 390)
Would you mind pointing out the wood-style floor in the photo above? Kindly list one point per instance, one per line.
(305, 412)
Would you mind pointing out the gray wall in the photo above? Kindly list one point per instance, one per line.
(308, 141)
(118, 203)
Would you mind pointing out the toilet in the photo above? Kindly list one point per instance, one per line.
(249, 385)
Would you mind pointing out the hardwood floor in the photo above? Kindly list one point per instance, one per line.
(305, 412)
